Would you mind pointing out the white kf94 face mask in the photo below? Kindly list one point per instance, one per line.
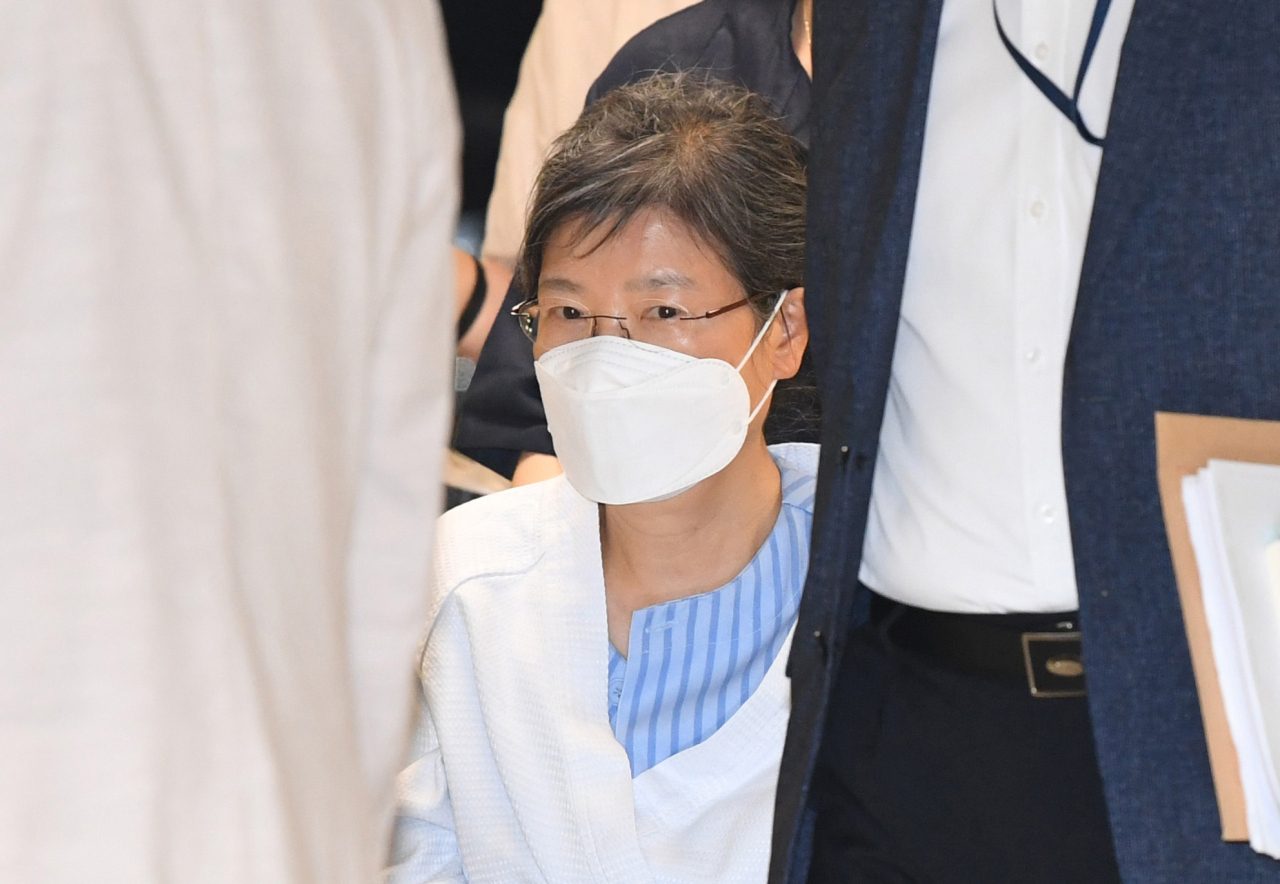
(633, 422)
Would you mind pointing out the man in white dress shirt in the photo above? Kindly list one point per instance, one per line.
(968, 507)
(225, 364)
(992, 342)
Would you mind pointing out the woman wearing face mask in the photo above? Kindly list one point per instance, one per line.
(763, 45)
(604, 694)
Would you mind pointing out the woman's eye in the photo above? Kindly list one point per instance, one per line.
(568, 313)
(666, 312)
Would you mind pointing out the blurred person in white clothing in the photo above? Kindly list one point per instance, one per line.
(225, 365)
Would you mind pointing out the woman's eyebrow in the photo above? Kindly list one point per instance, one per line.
(661, 279)
(559, 284)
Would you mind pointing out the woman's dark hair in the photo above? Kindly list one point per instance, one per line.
(709, 152)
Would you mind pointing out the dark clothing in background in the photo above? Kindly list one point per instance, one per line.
(747, 42)
(1177, 311)
(743, 41)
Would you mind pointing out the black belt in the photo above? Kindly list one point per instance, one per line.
(1041, 651)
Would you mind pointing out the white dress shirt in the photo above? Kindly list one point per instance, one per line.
(225, 362)
(968, 509)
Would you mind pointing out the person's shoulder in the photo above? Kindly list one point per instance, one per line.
(500, 533)
(676, 43)
(797, 458)
(490, 550)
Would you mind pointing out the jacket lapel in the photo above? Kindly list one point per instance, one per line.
(1141, 129)
(565, 596)
(676, 792)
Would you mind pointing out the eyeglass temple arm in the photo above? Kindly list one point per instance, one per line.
(714, 313)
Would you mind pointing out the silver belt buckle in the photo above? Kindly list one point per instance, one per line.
(1054, 665)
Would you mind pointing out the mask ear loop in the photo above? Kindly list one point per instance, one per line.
(777, 308)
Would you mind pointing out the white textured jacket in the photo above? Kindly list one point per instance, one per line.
(517, 774)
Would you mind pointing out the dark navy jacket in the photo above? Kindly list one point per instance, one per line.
(1178, 310)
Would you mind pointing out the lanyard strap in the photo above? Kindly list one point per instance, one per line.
(1070, 107)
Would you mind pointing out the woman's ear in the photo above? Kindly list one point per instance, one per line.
(789, 336)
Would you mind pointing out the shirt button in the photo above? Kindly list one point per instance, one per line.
(1042, 51)
(1032, 356)
(1046, 513)
(1038, 209)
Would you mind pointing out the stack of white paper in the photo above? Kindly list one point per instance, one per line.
(1233, 512)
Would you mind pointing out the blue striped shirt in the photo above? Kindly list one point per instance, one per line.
(695, 661)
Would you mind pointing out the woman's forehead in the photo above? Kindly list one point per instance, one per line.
(654, 251)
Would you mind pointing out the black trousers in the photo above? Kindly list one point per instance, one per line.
(931, 776)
